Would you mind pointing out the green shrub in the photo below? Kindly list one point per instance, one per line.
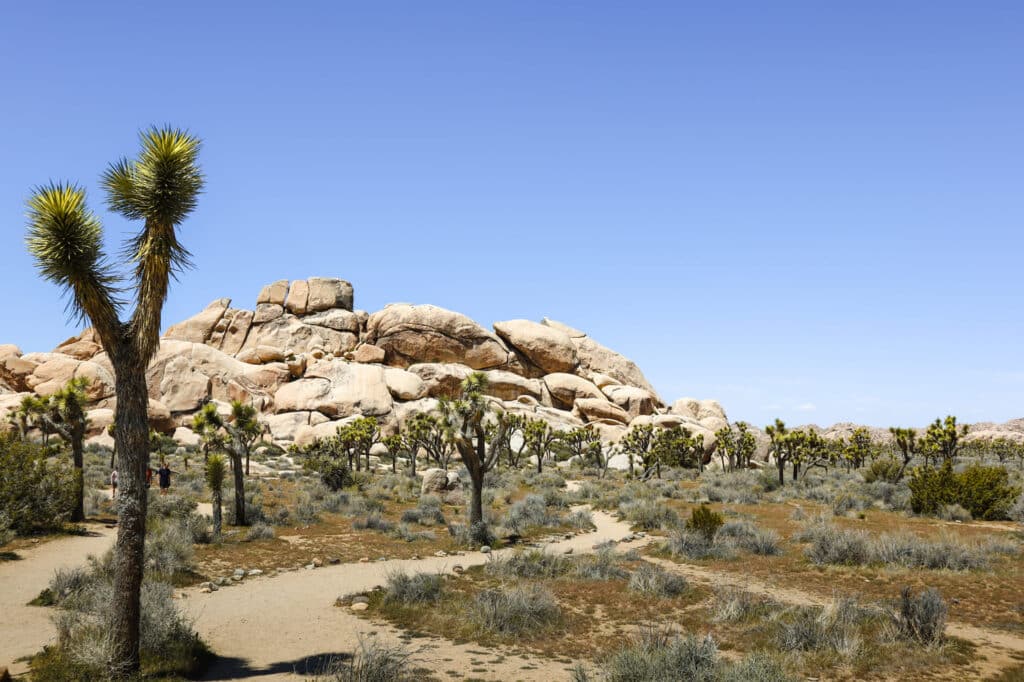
(983, 491)
(662, 655)
(885, 469)
(705, 522)
(35, 495)
(335, 474)
(649, 514)
(531, 563)
(374, 662)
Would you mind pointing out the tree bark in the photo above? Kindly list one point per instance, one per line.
(217, 519)
(77, 438)
(132, 441)
(239, 490)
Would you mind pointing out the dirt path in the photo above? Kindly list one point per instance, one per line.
(24, 630)
(267, 629)
(996, 651)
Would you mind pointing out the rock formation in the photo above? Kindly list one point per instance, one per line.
(305, 358)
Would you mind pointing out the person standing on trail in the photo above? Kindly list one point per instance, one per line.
(149, 476)
(113, 484)
(164, 474)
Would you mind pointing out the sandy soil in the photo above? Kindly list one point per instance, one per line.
(24, 630)
(268, 629)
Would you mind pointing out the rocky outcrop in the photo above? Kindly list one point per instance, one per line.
(308, 361)
(412, 334)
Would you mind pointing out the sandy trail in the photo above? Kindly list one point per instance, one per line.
(996, 650)
(267, 629)
(24, 630)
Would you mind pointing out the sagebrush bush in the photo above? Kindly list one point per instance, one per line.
(530, 512)
(921, 618)
(705, 521)
(832, 545)
(373, 521)
(581, 519)
(604, 564)
(693, 545)
(199, 529)
(656, 581)
(531, 563)
(759, 666)
(405, 532)
(169, 551)
(416, 588)
(657, 654)
(259, 531)
(373, 662)
(515, 610)
(733, 604)
(737, 487)
(649, 514)
(426, 513)
(746, 535)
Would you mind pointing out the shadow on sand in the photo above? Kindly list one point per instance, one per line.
(227, 668)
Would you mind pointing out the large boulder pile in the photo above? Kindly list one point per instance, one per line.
(307, 359)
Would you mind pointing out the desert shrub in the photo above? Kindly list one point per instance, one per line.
(921, 618)
(35, 495)
(883, 469)
(835, 627)
(693, 545)
(954, 512)
(361, 506)
(581, 519)
(658, 654)
(404, 532)
(373, 521)
(531, 563)
(759, 666)
(737, 487)
(199, 529)
(64, 583)
(374, 662)
(83, 621)
(515, 610)
(307, 509)
(1016, 511)
(831, 545)
(6, 532)
(704, 521)
(259, 531)
(983, 491)
(656, 581)
(649, 514)
(733, 604)
(530, 512)
(603, 564)
(844, 503)
(427, 512)
(748, 536)
(169, 550)
(160, 507)
(910, 551)
(416, 588)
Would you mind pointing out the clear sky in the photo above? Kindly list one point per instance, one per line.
(809, 210)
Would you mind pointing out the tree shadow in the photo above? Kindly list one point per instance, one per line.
(9, 556)
(229, 668)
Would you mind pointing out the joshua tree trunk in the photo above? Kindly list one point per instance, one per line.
(246, 462)
(217, 521)
(132, 441)
(236, 468)
(781, 465)
(412, 462)
(77, 437)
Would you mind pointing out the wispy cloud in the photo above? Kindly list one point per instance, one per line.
(806, 407)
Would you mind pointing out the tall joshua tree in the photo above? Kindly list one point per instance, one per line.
(64, 414)
(158, 188)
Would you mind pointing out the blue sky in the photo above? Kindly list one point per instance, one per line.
(804, 209)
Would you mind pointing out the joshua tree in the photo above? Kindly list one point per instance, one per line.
(467, 420)
(539, 437)
(778, 447)
(236, 435)
(430, 433)
(215, 471)
(396, 445)
(943, 439)
(639, 442)
(159, 188)
(585, 443)
(63, 413)
(736, 446)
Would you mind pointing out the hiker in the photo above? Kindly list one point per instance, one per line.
(113, 484)
(164, 473)
(149, 476)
